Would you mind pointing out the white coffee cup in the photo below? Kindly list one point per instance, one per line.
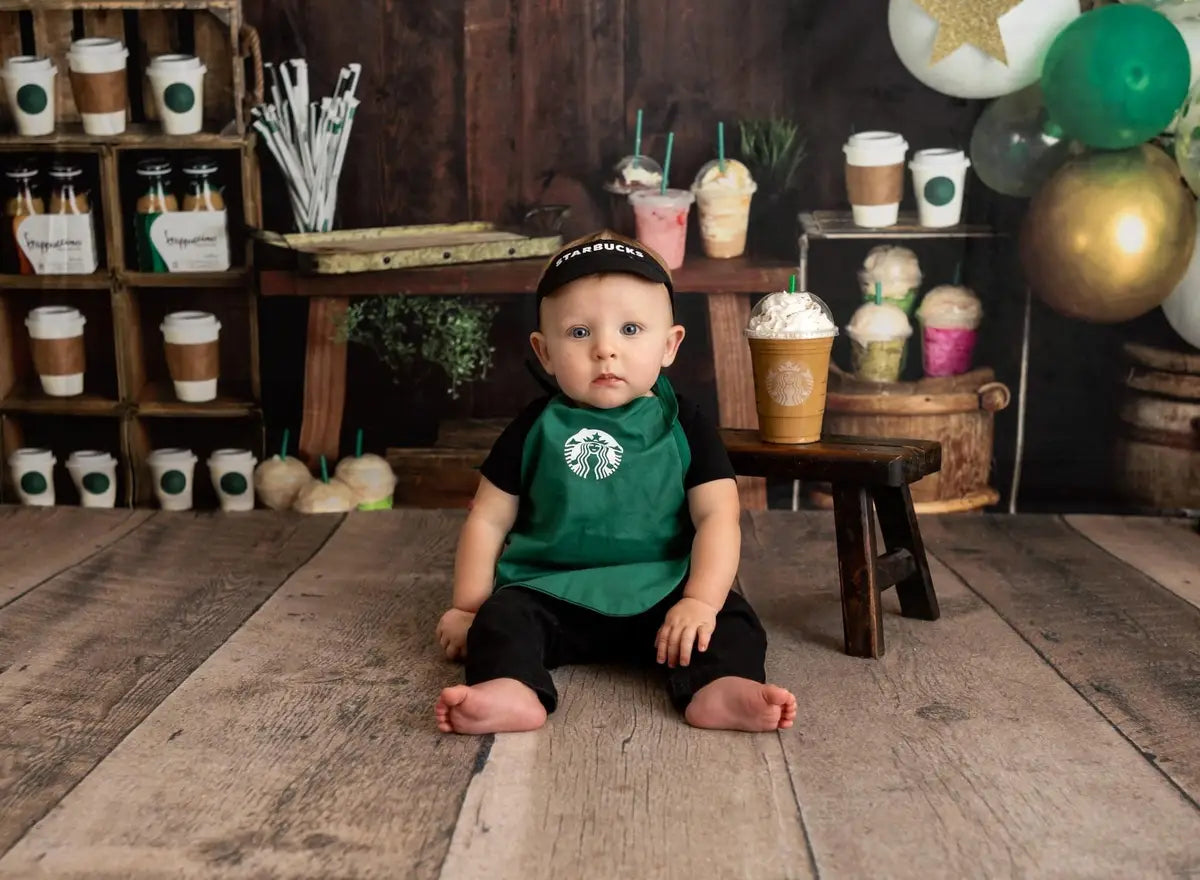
(95, 476)
(232, 473)
(875, 177)
(33, 474)
(190, 339)
(178, 85)
(938, 177)
(55, 334)
(174, 473)
(97, 70)
(29, 85)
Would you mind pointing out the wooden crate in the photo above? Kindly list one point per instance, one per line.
(126, 386)
(213, 31)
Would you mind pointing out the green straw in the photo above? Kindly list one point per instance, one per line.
(324, 471)
(662, 187)
(637, 137)
(958, 274)
(878, 293)
(792, 284)
(721, 146)
(283, 445)
(358, 444)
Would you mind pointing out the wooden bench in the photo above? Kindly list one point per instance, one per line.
(869, 477)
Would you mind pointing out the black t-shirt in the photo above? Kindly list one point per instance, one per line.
(710, 461)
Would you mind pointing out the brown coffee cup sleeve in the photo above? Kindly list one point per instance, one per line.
(99, 92)
(193, 363)
(875, 184)
(58, 357)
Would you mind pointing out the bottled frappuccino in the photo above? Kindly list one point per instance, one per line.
(156, 199)
(21, 200)
(67, 195)
(69, 239)
(203, 187)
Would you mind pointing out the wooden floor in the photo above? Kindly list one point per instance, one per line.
(198, 695)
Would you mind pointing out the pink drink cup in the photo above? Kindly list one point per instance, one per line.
(947, 351)
(661, 220)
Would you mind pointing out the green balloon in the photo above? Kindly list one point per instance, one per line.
(179, 97)
(32, 98)
(173, 482)
(97, 484)
(1115, 76)
(233, 484)
(33, 483)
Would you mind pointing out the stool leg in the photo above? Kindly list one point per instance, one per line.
(898, 522)
(862, 616)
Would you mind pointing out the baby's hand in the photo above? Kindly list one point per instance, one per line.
(452, 632)
(689, 621)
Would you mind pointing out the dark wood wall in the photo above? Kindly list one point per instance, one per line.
(478, 108)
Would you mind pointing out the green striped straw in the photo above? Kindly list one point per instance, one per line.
(358, 444)
(324, 470)
(721, 146)
(662, 187)
(637, 137)
(283, 445)
(878, 293)
(792, 284)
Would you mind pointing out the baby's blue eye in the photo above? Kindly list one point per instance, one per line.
(578, 332)
(630, 329)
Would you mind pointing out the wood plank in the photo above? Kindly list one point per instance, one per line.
(10, 45)
(519, 277)
(1167, 550)
(734, 373)
(89, 654)
(625, 787)
(52, 32)
(1130, 647)
(214, 47)
(324, 382)
(40, 542)
(274, 761)
(491, 92)
(959, 753)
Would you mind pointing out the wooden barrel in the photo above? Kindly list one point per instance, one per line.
(957, 411)
(1158, 441)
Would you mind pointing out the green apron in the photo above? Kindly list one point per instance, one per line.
(604, 521)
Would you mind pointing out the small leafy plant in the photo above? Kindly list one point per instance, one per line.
(447, 331)
(773, 150)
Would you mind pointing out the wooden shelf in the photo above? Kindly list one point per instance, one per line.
(21, 5)
(95, 281)
(158, 399)
(518, 277)
(235, 278)
(33, 400)
(137, 136)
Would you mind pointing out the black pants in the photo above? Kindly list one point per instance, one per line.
(521, 633)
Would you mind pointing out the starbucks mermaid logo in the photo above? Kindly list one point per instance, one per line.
(592, 454)
(789, 383)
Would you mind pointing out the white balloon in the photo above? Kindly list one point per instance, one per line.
(1028, 32)
(1182, 307)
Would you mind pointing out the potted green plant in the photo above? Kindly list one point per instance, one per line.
(773, 149)
(449, 332)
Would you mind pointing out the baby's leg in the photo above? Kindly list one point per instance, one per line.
(508, 686)
(725, 687)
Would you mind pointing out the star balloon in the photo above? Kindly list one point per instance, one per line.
(976, 22)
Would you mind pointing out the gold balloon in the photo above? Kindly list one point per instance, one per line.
(1109, 235)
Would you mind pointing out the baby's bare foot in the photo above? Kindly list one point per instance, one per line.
(731, 703)
(502, 705)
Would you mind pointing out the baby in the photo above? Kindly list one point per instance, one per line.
(606, 524)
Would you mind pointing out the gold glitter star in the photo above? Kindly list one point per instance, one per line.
(968, 21)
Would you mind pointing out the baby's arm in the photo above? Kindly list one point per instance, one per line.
(717, 548)
(716, 551)
(479, 545)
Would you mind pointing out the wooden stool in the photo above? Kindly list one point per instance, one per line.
(869, 476)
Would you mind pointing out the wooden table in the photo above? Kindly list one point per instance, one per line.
(724, 283)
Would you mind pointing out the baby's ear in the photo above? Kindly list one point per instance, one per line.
(674, 339)
(537, 341)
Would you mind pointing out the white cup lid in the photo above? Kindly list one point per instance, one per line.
(231, 456)
(28, 62)
(97, 45)
(876, 140)
(941, 157)
(171, 455)
(90, 458)
(190, 319)
(32, 456)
